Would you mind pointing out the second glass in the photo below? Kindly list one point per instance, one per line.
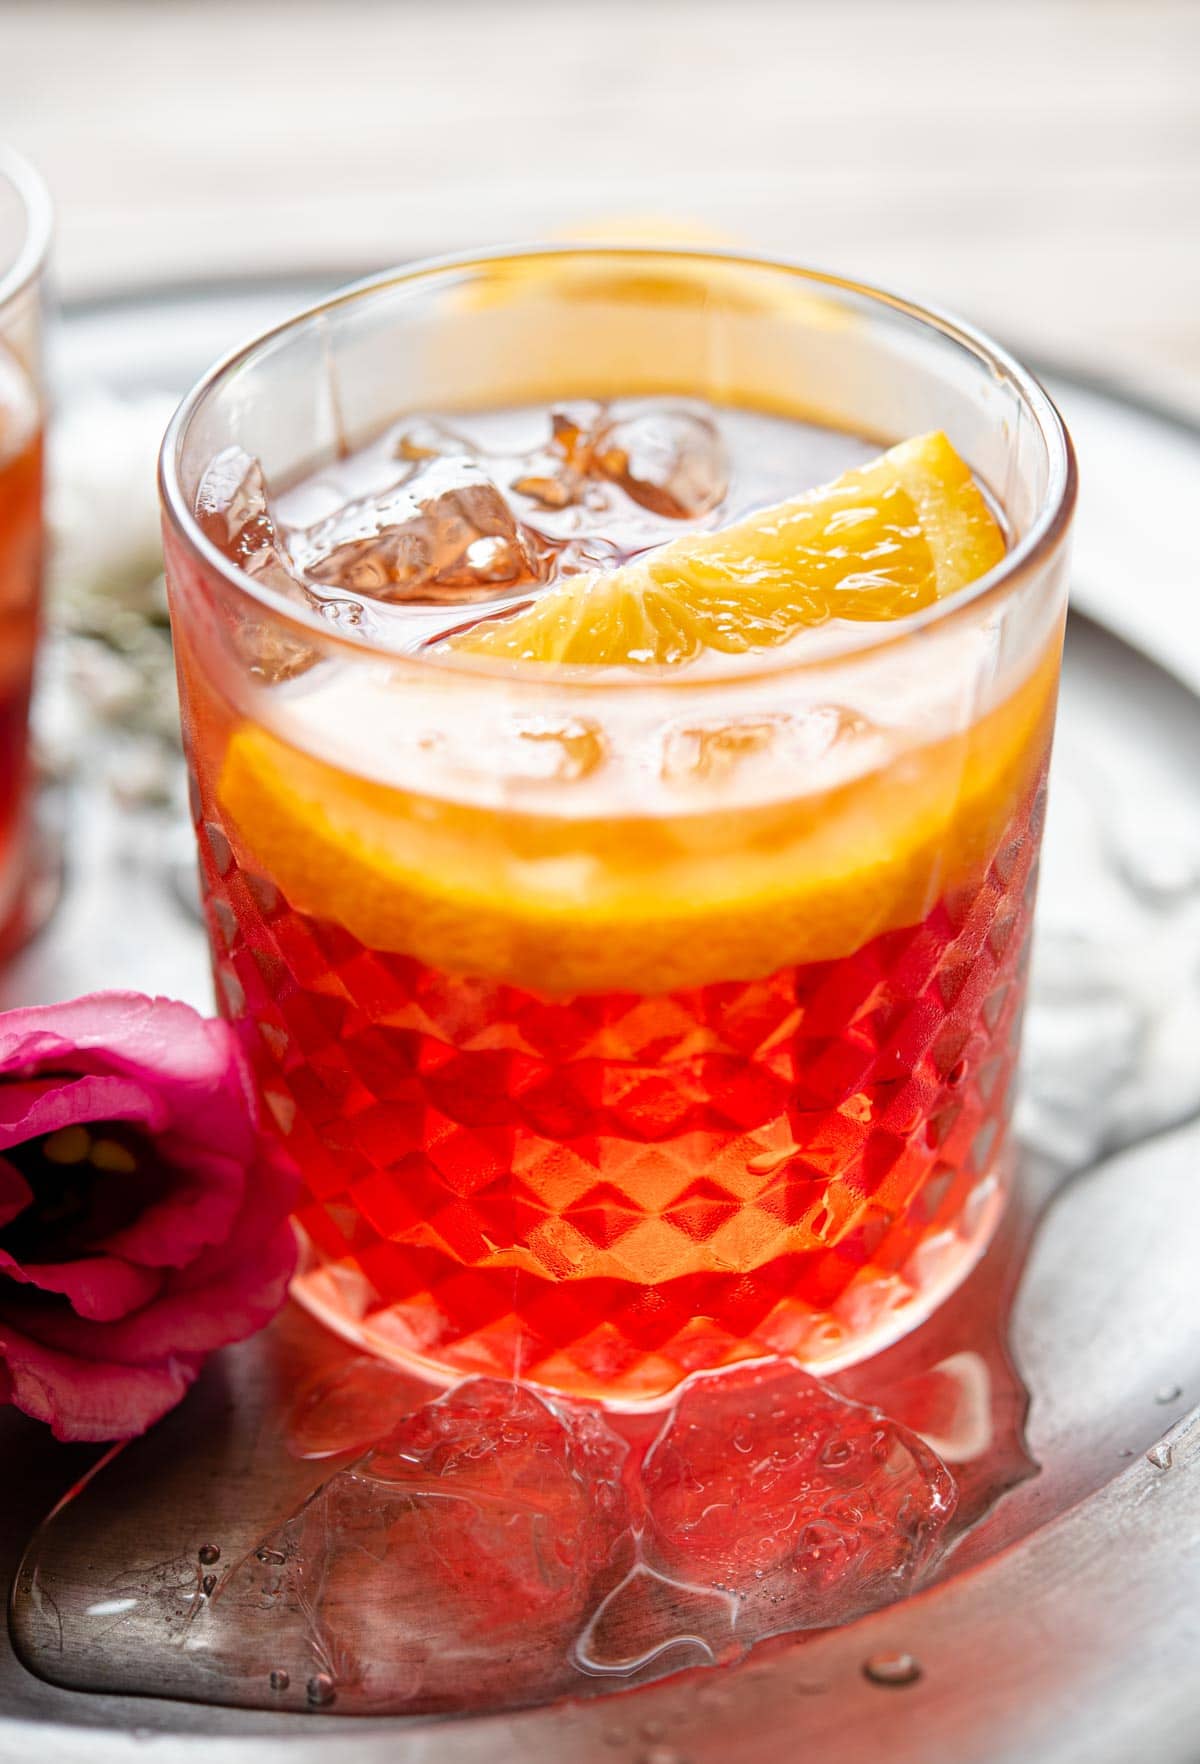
(631, 1021)
(24, 239)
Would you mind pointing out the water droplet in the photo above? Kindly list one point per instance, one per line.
(279, 1678)
(615, 1736)
(208, 1585)
(661, 1755)
(319, 1689)
(892, 1668)
(1168, 1393)
(652, 1730)
(1160, 1455)
(209, 1553)
(276, 1558)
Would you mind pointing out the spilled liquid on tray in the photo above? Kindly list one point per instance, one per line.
(500, 1547)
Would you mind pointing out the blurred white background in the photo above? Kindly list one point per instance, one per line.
(1034, 164)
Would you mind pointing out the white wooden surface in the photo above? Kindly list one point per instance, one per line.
(1033, 163)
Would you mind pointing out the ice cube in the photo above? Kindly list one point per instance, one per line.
(564, 748)
(233, 510)
(669, 458)
(443, 532)
(428, 438)
(722, 750)
(555, 476)
(807, 1508)
(573, 431)
(545, 487)
(714, 752)
(455, 1564)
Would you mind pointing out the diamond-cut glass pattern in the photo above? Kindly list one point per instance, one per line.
(607, 1192)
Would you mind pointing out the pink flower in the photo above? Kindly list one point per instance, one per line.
(143, 1221)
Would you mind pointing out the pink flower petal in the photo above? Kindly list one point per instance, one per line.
(202, 1186)
(228, 1294)
(270, 1197)
(192, 1061)
(102, 1343)
(100, 1288)
(202, 1189)
(230, 1308)
(202, 1194)
(82, 1400)
(28, 1110)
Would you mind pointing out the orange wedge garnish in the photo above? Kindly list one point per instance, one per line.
(886, 539)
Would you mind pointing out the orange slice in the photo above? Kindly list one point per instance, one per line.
(882, 541)
(639, 905)
(561, 902)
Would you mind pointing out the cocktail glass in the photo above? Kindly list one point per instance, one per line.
(623, 1022)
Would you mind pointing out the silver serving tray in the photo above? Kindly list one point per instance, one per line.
(1069, 1623)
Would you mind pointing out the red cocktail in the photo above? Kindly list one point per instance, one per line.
(618, 810)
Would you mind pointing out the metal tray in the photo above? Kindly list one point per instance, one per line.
(1068, 1625)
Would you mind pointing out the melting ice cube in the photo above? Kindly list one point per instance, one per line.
(427, 438)
(555, 475)
(499, 1547)
(807, 1507)
(670, 459)
(231, 506)
(769, 1503)
(443, 532)
(451, 1566)
(233, 511)
(710, 752)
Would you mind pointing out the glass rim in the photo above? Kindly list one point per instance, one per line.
(31, 256)
(1045, 534)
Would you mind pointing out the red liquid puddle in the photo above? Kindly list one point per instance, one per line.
(763, 1502)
